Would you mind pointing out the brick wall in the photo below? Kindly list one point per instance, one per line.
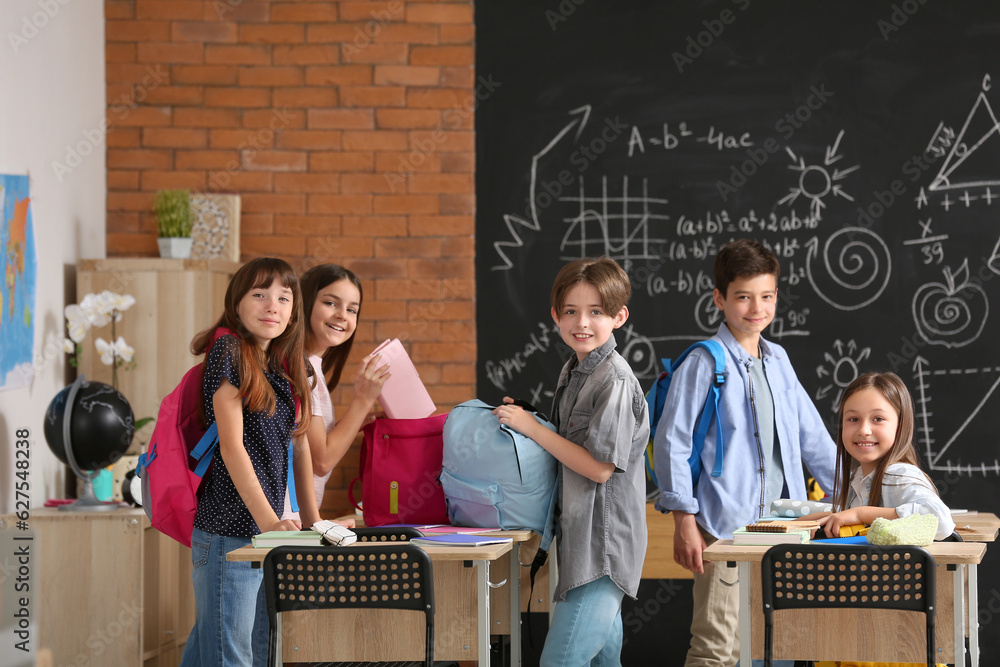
(346, 127)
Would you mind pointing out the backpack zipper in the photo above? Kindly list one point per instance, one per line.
(756, 435)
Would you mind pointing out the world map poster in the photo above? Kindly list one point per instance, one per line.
(17, 293)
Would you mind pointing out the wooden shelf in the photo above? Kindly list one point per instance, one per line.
(108, 587)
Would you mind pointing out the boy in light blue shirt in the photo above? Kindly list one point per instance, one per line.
(771, 428)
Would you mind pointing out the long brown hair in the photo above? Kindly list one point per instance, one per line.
(313, 281)
(894, 390)
(284, 354)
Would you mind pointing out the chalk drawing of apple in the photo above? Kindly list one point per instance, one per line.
(952, 313)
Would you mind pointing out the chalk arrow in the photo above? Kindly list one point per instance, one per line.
(831, 151)
(512, 221)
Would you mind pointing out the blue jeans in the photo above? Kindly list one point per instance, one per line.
(586, 628)
(231, 626)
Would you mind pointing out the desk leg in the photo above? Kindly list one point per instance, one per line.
(958, 583)
(483, 611)
(744, 572)
(278, 660)
(514, 586)
(974, 613)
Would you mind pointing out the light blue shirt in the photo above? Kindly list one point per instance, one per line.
(722, 504)
(904, 488)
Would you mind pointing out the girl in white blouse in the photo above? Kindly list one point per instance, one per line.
(878, 474)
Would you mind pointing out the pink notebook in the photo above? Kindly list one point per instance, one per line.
(403, 395)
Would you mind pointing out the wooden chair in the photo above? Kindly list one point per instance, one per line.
(798, 576)
(379, 576)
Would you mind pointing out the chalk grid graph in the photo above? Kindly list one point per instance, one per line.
(617, 226)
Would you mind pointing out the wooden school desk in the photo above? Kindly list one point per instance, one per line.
(977, 526)
(465, 615)
(863, 634)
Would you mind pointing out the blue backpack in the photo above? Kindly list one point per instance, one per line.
(492, 476)
(658, 395)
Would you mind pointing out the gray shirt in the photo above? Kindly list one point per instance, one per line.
(770, 450)
(599, 405)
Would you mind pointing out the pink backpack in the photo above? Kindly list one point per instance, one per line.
(178, 456)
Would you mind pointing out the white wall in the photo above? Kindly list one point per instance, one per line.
(52, 115)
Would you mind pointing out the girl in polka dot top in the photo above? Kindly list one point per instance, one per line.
(252, 379)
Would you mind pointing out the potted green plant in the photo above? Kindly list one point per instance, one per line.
(173, 222)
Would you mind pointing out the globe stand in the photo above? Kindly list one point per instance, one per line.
(87, 501)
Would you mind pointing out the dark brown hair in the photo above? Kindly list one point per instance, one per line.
(284, 354)
(903, 451)
(609, 279)
(313, 281)
(743, 258)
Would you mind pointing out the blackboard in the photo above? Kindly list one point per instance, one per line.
(859, 140)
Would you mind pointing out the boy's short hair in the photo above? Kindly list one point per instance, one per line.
(743, 258)
(603, 273)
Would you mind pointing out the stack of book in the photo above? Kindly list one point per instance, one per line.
(457, 540)
(281, 538)
(775, 532)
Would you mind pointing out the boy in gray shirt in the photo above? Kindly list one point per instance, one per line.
(603, 427)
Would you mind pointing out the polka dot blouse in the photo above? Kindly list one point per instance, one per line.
(221, 511)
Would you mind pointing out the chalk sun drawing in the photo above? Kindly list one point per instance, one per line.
(816, 180)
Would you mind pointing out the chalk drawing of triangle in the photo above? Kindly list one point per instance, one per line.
(946, 436)
(974, 159)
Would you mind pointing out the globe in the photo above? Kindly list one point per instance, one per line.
(100, 428)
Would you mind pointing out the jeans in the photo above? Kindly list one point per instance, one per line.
(230, 629)
(586, 628)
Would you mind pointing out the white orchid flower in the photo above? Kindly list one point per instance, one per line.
(111, 303)
(93, 308)
(106, 350)
(69, 346)
(123, 350)
(77, 321)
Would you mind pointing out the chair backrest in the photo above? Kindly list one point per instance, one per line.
(378, 576)
(387, 534)
(797, 576)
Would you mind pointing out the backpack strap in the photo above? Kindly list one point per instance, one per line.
(710, 409)
(203, 451)
(292, 499)
(542, 554)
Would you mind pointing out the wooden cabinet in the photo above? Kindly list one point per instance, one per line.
(174, 300)
(107, 589)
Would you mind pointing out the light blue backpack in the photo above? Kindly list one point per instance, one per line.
(493, 476)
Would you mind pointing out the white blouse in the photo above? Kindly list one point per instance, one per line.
(322, 406)
(905, 488)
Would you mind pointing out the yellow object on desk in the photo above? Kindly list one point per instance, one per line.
(854, 530)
